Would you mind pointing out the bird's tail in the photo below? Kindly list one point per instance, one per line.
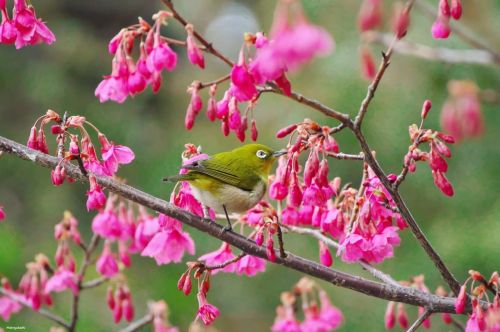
(177, 178)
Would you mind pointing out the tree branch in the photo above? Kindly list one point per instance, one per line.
(331, 243)
(389, 292)
(45, 313)
(474, 56)
(136, 325)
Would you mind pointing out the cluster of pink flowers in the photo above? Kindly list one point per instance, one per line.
(24, 28)
(292, 42)
(482, 319)
(363, 221)
(461, 115)
(129, 78)
(322, 316)
(446, 11)
(438, 150)
(8, 306)
(112, 155)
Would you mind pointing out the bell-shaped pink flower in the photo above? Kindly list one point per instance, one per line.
(107, 225)
(220, 256)
(250, 265)
(242, 81)
(96, 198)
(8, 307)
(114, 155)
(328, 312)
(441, 28)
(325, 256)
(169, 245)
(206, 312)
(161, 57)
(106, 264)
(390, 315)
(62, 280)
(461, 300)
(195, 55)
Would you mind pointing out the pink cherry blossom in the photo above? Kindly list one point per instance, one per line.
(107, 224)
(106, 264)
(169, 245)
(328, 312)
(250, 265)
(221, 255)
(390, 315)
(313, 321)
(2, 213)
(325, 256)
(62, 280)
(461, 300)
(25, 26)
(161, 57)
(441, 28)
(242, 81)
(206, 312)
(370, 15)
(8, 307)
(115, 86)
(114, 155)
(96, 198)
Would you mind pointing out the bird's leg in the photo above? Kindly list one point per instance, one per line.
(206, 213)
(229, 227)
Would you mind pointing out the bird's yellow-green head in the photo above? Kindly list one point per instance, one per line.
(255, 157)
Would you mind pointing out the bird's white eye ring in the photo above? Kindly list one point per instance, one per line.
(261, 154)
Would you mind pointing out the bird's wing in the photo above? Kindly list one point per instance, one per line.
(218, 170)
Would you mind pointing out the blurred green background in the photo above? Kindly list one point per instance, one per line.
(464, 229)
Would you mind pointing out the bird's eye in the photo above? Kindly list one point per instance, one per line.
(261, 154)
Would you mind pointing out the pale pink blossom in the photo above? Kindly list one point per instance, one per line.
(106, 264)
(169, 245)
(63, 279)
(220, 256)
(206, 312)
(96, 198)
(250, 265)
(8, 307)
(114, 155)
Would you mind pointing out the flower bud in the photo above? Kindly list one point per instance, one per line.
(441, 28)
(57, 176)
(444, 8)
(446, 317)
(311, 167)
(117, 312)
(195, 55)
(442, 183)
(456, 9)
(370, 15)
(283, 132)
(225, 127)
(368, 68)
(325, 255)
(253, 131)
(401, 21)
(271, 254)
(42, 142)
(110, 298)
(115, 42)
(402, 316)
(56, 129)
(128, 309)
(259, 237)
(461, 300)
(390, 316)
(425, 108)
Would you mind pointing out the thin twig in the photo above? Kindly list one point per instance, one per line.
(458, 324)
(203, 85)
(419, 320)
(384, 291)
(345, 156)
(136, 325)
(45, 313)
(94, 282)
(471, 56)
(81, 274)
(209, 47)
(224, 264)
(281, 244)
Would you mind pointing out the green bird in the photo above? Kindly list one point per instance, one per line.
(232, 181)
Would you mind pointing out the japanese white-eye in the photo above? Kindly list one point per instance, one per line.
(232, 181)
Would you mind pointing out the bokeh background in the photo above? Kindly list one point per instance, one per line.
(464, 229)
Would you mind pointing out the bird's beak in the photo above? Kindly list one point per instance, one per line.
(279, 153)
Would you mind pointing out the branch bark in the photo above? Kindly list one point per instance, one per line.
(419, 321)
(384, 291)
(136, 325)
